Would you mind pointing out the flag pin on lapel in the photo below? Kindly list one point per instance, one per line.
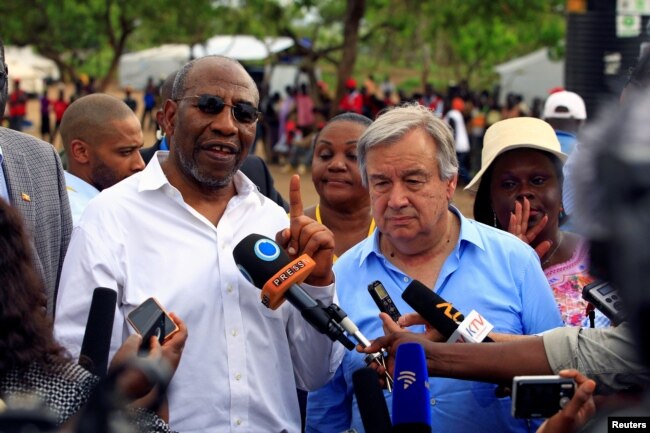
(25, 196)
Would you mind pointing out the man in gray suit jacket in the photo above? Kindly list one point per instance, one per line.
(32, 180)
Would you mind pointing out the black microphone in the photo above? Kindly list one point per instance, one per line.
(434, 309)
(267, 266)
(99, 327)
(371, 401)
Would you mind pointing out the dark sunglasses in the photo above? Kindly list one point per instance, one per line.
(212, 104)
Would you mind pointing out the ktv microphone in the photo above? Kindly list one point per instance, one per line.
(267, 266)
(411, 395)
(99, 327)
(371, 401)
(445, 318)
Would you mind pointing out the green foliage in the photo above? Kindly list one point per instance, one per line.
(444, 39)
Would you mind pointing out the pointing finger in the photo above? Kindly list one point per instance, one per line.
(295, 200)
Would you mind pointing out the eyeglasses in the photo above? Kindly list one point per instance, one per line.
(212, 104)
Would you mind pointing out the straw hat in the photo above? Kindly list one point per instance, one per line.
(516, 133)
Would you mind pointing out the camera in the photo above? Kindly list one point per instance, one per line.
(540, 396)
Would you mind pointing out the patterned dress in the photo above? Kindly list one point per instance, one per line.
(567, 280)
(63, 391)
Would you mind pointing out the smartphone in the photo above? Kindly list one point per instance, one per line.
(150, 319)
(540, 396)
(383, 300)
(605, 297)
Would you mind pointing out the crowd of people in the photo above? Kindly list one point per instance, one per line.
(292, 118)
(164, 222)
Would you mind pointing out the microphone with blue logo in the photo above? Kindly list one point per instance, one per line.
(411, 396)
(267, 266)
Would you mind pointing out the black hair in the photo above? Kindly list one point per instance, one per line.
(483, 211)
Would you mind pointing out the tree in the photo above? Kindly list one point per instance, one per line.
(69, 31)
(64, 31)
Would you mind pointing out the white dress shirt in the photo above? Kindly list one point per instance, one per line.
(80, 193)
(242, 361)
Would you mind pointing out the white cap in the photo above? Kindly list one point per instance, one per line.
(565, 105)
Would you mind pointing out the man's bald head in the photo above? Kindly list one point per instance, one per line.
(89, 118)
(102, 137)
(222, 62)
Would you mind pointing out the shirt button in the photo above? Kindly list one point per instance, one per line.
(225, 246)
(238, 376)
(433, 402)
(234, 332)
(406, 279)
(229, 288)
(238, 421)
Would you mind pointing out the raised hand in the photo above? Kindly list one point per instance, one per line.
(518, 226)
(306, 236)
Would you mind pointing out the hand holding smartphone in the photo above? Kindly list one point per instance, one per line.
(150, 319)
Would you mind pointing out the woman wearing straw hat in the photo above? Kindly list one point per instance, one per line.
(519, 189)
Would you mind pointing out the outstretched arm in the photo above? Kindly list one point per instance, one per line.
(495, 362)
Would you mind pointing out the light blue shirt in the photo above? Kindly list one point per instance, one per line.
(80, 193)
(572, 163)
(4, 190)
(567, 141)
(489, 271)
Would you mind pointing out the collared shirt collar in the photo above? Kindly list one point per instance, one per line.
(468, 233)
(154, 178)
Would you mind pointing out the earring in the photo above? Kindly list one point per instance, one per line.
(563, 214)
(495, 218)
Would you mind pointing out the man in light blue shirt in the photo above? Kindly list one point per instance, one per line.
(407, 158)
(102, 138)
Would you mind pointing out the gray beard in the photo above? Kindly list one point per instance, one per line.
(189, 167)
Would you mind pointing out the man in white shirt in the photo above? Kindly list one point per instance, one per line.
(169, 232)
(102, 138)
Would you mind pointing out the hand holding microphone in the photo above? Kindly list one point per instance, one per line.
(306, 236)
(444, 317)
(267, 266)
(390, 343)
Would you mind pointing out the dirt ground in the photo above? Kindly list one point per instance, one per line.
(463, 200)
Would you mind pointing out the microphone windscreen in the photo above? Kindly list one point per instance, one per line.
(371, 401)
(435, 310)
(411, 396)
(259, 258)
(99, 327)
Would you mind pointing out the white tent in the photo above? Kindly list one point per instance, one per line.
(157, 63)
(30, 68)
(242, 47)
(137, 67)
(531, 76)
